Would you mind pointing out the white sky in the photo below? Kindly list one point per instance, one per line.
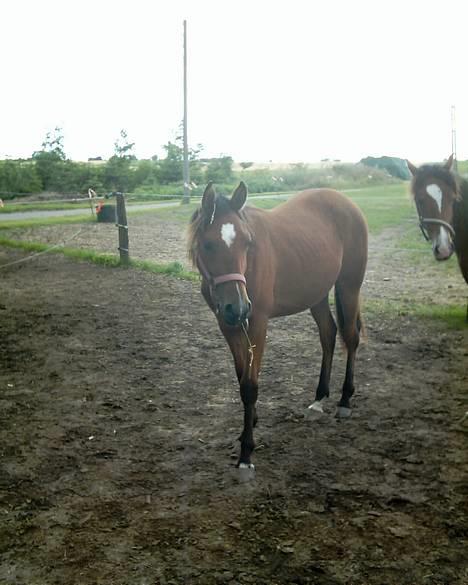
(283, 81)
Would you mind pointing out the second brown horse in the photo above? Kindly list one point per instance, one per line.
(258, 264)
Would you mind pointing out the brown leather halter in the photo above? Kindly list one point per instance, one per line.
(213, 281)
(423, 222)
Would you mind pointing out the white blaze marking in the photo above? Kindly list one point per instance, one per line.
(435, 192)
(444, 239)
(443, 244)
(228, 234)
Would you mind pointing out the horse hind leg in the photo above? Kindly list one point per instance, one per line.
(327, 332)
(350, 326)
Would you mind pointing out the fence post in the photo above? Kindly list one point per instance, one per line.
(123, 229)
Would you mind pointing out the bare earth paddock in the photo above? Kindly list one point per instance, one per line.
(119, 413)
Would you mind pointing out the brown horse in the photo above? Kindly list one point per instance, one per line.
(257, 264)
(441, 199)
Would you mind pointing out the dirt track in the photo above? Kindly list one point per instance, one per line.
(119, 416)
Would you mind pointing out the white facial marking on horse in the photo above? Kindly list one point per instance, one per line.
(228, 234)
(435, 192)
(443, 243)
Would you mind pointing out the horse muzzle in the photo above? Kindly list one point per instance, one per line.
(235, 313)
(442, 245)
(442, 255)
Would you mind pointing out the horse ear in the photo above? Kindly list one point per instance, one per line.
(239, 197)
(412, 168)
(208, 201)
(449, 162)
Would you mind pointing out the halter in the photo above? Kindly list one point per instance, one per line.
(423, 222)
(213, 281)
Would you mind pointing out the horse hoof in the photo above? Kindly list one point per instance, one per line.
(316, 406)
(343, 412)
(246, 472)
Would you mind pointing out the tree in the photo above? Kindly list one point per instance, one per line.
(171, 167)
(219, 169)
(50, 158)
(123, 148)
(118, 174)
(18, 177)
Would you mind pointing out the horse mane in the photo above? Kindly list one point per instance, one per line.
(438, 172)
(199, 222)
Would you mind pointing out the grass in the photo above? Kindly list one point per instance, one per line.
(453, 316)
(383, 206)
(27, 223)
(41, 206)
(174, 269)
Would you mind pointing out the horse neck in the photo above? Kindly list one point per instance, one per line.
(460, 217)
(260, 225)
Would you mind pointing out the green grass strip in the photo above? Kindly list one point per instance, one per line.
(453, 316)
(46, 206)
(44, 221)
(174, 269)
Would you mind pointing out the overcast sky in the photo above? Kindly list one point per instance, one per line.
(283, 81)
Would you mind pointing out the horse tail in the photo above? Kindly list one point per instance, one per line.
(343, 318)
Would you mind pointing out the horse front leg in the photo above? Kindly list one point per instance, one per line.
(247, 345)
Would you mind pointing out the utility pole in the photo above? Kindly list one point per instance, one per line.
(454, 141)
(186, 197)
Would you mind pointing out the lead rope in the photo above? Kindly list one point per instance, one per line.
(250, 348)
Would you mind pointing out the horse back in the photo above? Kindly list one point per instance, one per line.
(317, 237)
(326, 213)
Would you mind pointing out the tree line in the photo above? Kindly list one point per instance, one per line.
(49, 170)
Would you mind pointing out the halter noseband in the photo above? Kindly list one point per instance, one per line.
(423, 222)
(213, 281)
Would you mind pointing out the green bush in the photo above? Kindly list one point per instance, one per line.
(18, 177)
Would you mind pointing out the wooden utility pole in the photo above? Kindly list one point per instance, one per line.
(123, 229)
(454, 141)
(186, 197)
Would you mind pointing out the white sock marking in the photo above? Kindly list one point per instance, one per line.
(317, 406)
(435, 192)
(228, 234)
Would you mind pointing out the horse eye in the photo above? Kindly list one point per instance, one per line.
(209, 246)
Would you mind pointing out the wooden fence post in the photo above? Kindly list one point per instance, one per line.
(123, 229)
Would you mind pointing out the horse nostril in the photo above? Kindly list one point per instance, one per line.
(248, 310)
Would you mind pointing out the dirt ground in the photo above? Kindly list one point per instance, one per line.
(119, 417)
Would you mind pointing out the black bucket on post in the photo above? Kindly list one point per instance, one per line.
(106, 213)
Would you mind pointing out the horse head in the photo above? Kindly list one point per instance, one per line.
(219, 248)
(435, 191)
